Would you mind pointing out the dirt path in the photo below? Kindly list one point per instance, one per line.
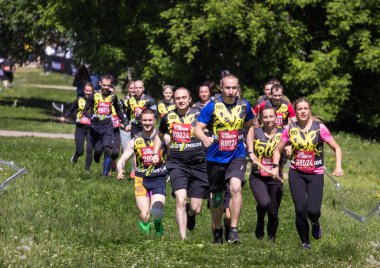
(12, 133)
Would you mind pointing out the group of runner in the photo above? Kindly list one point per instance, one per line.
(203, 150)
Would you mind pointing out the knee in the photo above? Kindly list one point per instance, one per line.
(196, 208)
(301, 211)
(157, 213)
(235, 188)
(181, 202)
(217, 200)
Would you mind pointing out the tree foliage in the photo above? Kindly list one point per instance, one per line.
(326, 50)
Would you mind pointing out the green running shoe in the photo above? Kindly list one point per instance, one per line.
(158, 228)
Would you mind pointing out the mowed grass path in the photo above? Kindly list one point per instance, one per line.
(55, 215)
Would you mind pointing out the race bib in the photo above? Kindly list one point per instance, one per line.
(181, 132)
(115, 121)
(267, 163)
(228, 140)
(137, 111)
(280, 119)
(104, 108)
(7, 68)
(85, 120)
(304, 161)
(146, 153)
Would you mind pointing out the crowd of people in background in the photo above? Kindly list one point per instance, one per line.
(202, 148)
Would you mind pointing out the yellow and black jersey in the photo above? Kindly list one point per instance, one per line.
(164, 107)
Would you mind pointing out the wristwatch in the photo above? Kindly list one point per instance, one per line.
(275, 166)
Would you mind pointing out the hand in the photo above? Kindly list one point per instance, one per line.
(253, 158)
(62, 119)
(127, 128)
(208, 141)
(120, 174)
(338, 172)
(274, 172)
(155, 159)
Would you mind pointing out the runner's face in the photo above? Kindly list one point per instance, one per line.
(168, 94)
(139, 89)
(131, 89)
(267, 91)
(269, 118)
(182, 99)
(87, 91)
(230, 88)
(303, 111)
(105, 85)
(204, 93)
(277, 97)
(147, 121)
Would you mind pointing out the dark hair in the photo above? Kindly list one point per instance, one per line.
(182, 88)
(260, 119)
(204, 85)
(277, 87)
(106, 77)
(89, 84)
(273, 81)
(148, 111)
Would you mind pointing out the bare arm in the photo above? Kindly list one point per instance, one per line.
(249, 140)
(156, 147)
(338, 157)
(200, 134)
(276, 158)
(124, 158)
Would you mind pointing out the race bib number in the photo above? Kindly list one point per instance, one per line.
(304, 161)
(137, 111)
(280, 119)
(115, 121)
(104, 108)
(181, 132)
(85, 120)
(146, 153)
(267, 164)
(228, 140)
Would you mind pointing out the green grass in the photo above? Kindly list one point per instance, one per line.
(56, 215)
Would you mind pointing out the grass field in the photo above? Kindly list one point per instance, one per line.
(58, 216)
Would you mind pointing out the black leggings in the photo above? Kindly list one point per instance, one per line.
(81, 134)
(116, 144)
(268, 197)
(307, 192)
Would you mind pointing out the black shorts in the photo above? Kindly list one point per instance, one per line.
(101, 136)
(192, 177)
(219, 174)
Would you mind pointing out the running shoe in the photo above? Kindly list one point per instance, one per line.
(113, 165)
(259, 231)
(158, 229)
(218, 236)
(74, 158)
(306, 246)
(234, 236)
(316, 230)
(190, 219)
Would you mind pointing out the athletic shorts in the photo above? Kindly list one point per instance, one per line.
(102, 136)
(219, 174)
(192, 177)
(148, 186)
